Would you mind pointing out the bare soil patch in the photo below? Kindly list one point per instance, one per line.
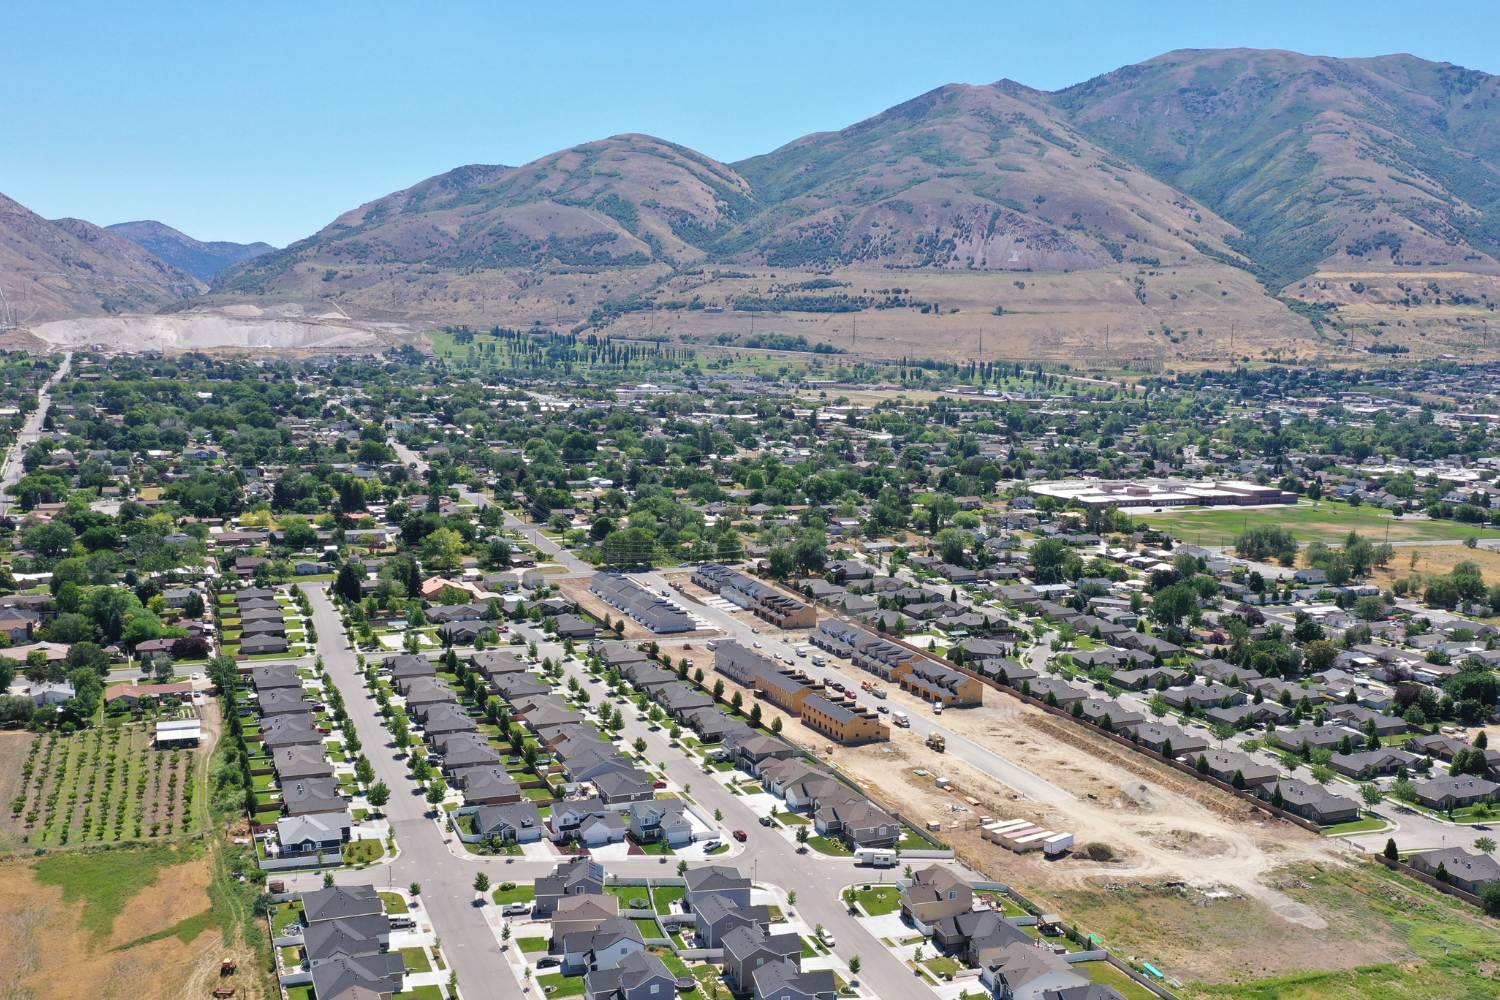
(51, 957)
(181, 891)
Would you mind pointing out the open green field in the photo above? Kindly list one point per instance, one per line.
(1310, 522)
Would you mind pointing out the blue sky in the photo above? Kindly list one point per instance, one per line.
(264, 121)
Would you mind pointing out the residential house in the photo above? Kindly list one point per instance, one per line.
(575, 877)
(1447, 793)
(132, 694)
(312, 795)
(749, 948)
(1469, 872)
(487, 785)
(639, 976)
(289, 730)
(1224, 764)
(301, 761)
(661, 821)
(617, 786)
(1027, 972)
(715, 880)
(601, 948)
(310, 834)
(785, 981)
(857, 821)
(578, 914)
(1156, 736)
(1312, 801)
(588, 821)
(718, 915)
(934, 894)
(1371, 763)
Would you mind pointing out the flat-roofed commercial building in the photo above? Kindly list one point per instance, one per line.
(1164, 493)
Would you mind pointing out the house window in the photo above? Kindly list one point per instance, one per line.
(952, 893)
(656, 987)
(760, 961)
(622, 949)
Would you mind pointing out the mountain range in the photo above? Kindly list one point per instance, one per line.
(201, 260)
(1201, 194)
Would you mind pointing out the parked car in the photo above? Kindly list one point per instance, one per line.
(658, 784)
(515, 909)
(741, 836)
(765, 821)
(548, 962)
(755, 630)
(826, 936)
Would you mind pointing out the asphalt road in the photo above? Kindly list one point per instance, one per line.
(14, 469)
(447, 873)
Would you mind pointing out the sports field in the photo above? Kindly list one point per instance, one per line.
(1310, 522)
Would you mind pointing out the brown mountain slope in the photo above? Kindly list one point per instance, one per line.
(1322, 162)
(967, 177)
(56, 270)
(631, 202)
(131, 254)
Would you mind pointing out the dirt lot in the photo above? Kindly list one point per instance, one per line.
(51, 956)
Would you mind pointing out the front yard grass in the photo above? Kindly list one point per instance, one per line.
(885, 899)
(416, 960)
(516, 894)
(559, 985)
(531, 944)
(394, 903)
(830, 847)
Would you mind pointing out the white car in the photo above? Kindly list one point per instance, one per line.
(826, 936)
(757, 645)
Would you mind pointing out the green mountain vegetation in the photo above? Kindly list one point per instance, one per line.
(1320, 161)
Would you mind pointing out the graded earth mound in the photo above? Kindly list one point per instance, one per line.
(283, 328)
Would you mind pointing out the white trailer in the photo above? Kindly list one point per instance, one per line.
(875, 857)
(1057, 843)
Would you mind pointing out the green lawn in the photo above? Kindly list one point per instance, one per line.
(1107, 975)
(420, 993)
(529, 944)
(394, 903)
(363, 852)
(566, 986)
(884, 899)
(1365, 825)
(416, 960)
(943, 965)
(1308, 521)
(830, 847)
(304, 993)
(665, 896)
(625, 893)
(648, 928)
(519, 894)
(790, 818)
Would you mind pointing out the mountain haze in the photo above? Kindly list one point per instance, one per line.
(202, 260)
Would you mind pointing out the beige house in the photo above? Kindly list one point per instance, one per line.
(582, 914)
(935, 894)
